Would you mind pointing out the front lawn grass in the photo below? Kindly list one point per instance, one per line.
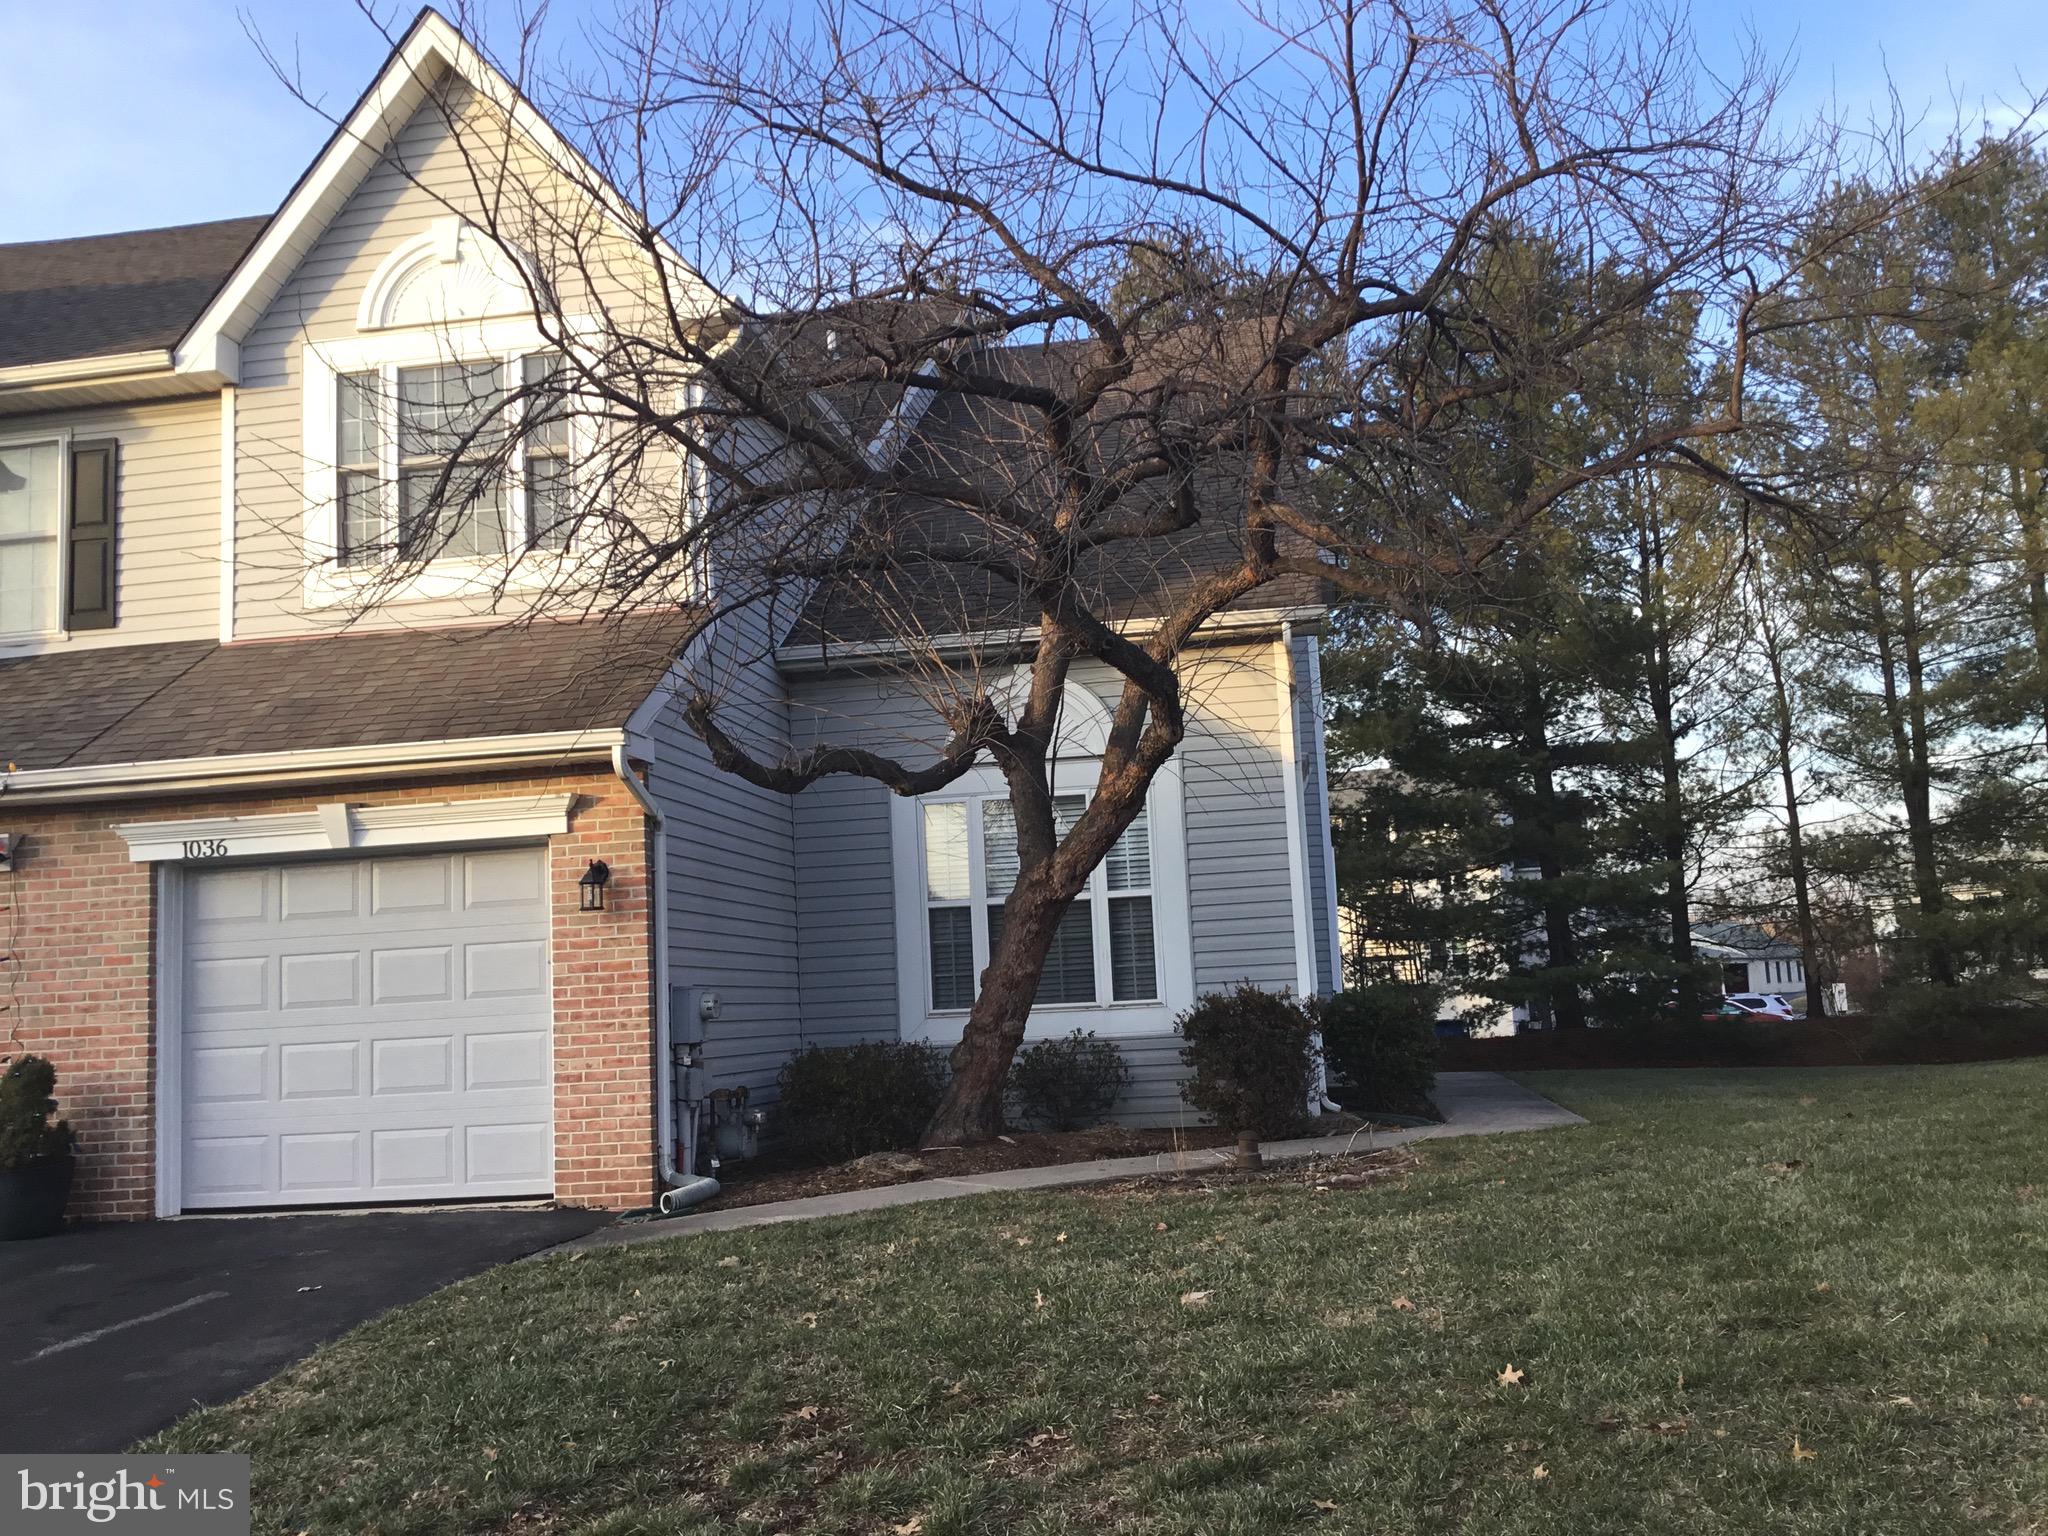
(1807, 1301)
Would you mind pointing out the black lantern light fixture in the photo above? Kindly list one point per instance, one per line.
(592, 885)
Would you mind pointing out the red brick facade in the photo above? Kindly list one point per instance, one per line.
(79, 986)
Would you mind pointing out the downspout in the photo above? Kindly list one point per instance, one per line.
(1319, 1100)
(685, 1189)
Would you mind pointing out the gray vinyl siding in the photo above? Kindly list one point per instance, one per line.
(1315, 816)
(1154, 1096)
(1241, 913)
(845, 879)
(1240, 907)
(167, 558)
(731, 862)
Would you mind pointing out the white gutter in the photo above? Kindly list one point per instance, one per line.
(83, 370)
(821, 657)
(251, 769)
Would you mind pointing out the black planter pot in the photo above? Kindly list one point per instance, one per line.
(32, 1199)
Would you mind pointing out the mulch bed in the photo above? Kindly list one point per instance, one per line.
(1845, 1041)
(778, 1176)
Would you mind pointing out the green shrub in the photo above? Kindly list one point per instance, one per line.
(847, 1101)
(1248, 1053)
(1979, 1014)
(1068, 1083)
(1380, 1043)
(26, 1104)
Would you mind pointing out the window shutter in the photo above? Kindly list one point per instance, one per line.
(89, 537)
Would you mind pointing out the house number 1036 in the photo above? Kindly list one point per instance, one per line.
(206, 848)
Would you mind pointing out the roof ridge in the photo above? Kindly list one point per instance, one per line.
(129, 234)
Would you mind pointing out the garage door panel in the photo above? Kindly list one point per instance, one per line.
(518, 969)
(318, 980)
(228, 1074)
(312, 1162)
(496, 881)
(419, 974)
(367, 1029)
(313, 891)
(319, 1069)
(505, 1060)
(424, 1064)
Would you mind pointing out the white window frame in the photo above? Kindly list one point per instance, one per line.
(1172, 945)
(61, 438)
(504, 342)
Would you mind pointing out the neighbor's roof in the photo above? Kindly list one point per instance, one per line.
(136, 704)
(1752, 940)
(101, 295)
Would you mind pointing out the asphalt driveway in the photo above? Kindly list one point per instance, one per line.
(109, 1333)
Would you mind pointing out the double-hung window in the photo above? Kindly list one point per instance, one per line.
(31, 533)
(428, 465)
(1103, 951)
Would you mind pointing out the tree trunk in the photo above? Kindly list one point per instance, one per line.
(972, 1109)
(1906, 718)
(1795, 838)
(1561, 944)
(1671, 788)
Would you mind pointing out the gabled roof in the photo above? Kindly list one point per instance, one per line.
(972, 436)
(104, 295)
(139, 704)
(430, 48)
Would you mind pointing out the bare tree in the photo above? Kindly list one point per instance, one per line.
(1052, 332)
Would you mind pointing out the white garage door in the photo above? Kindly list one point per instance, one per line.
(368, 1030)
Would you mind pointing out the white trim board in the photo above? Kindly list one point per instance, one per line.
(1297, 841)
(252, 767)
(341, 828)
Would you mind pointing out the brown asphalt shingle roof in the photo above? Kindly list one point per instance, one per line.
(99, 295)
(198, 699)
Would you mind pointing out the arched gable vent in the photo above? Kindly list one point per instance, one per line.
(452, 273)
(1084, 719)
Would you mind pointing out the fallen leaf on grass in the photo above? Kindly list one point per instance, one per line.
(909, 1527)
(1158, 1226)
(1510, 1377)
(730, 1261)
(625, 1323)
(1194, 1298)
(490, 1453)
(1327, 1506)
(2027, 1399)
(1403, 1304)
(1540, 1472)
(1902, 1401)
(1060, 1237)
(1801, 1453)
(808, 1319)
(808, 1412)
(1038, 1300)
(957, 1388)
(1823, 1287)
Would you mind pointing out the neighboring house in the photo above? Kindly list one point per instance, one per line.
(305, 911)
(1752, 959)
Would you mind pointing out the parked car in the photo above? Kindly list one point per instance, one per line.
(1769, 1005)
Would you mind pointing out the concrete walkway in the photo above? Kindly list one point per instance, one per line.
(1473, 1104)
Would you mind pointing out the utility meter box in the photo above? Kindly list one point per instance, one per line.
(689, 1010)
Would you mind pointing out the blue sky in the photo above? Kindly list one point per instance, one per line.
(125, 114)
